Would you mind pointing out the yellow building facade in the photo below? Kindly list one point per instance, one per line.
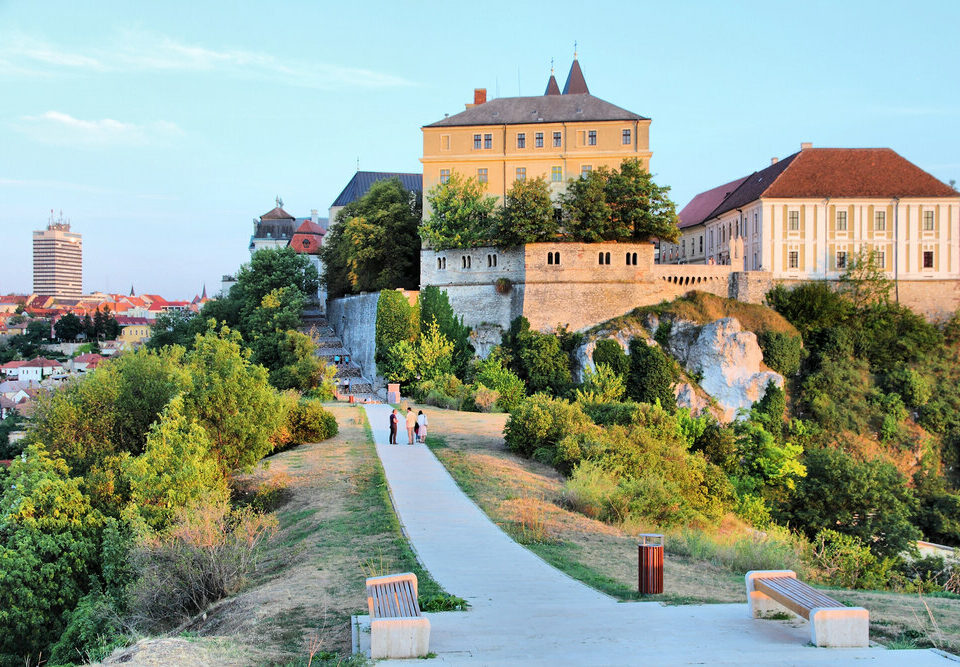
(557, 136)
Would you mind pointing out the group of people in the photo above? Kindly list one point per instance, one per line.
(416, 426)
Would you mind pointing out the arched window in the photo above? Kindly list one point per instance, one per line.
(634, 259)
(556, 257)
(439, 263)
(607, 258)
(549, 258)
(600, 258)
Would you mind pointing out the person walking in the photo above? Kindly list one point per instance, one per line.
(422, 426)
(411, 422)
(394, 421)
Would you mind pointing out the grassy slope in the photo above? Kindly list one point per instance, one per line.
(525, 498)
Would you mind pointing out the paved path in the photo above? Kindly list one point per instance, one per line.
(524, 611)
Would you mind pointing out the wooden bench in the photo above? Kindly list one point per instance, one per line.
(398, 628)
(831, 623)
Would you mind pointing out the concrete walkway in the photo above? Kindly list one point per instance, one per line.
(524, 611)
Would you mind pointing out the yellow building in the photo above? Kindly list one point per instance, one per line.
(557, 136)
(133, 335)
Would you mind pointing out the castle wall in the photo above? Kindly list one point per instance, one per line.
(354, 319)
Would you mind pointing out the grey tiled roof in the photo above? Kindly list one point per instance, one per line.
(363, 180)
(541, 109)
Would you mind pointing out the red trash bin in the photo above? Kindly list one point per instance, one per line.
(650, 570)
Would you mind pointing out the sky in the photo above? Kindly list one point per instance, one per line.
(161, 130)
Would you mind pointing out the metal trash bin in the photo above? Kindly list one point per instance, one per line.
(650, 569)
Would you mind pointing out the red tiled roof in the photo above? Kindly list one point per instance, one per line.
(41, 362)
(856, 172)
(308, 238)
(10, 365)
(87, 357)
(124, 320)
(700, 207)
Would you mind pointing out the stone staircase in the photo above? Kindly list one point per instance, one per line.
(350, 380)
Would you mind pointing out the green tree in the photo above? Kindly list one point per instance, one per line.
(609, 352)
(430, 357)
(175, 469)
(374, 244)
(180, 327)
(865, 282)
(639, 205)
(526, 216)
(272, 269)
(396, 321)
(435, 307)
(461, 214)
(233, 400)
(493, 374)
(601, 386)
(652, 375)
(586, 214)
(539, 359)
(868, 500)
(68, 327)
(49, 542)
(297, 365)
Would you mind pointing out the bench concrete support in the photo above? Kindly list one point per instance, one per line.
(762, 604)
(833, 626)
(403, 632)
(844, 627)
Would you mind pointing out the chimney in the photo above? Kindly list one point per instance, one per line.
(314, 217)
(774, 160)
(805, 145)
(479, 95)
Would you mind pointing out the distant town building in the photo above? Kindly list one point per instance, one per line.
(557, 136)
(276, 227)
(57, 260)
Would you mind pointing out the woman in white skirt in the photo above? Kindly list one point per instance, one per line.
(422, 426)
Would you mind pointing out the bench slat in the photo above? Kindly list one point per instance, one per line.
(392, 599)
(795, 595)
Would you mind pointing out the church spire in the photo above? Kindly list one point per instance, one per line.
(552, 87)
(132, 293)
(576, 84)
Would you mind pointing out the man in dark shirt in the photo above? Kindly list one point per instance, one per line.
(393, 426)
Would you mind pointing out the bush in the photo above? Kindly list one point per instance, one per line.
(844, 560)
(396, 321)
(205, 556)
(774, 549)
(609, 352)
(485, 399)
(601, 386)
(652, 375)
(310, 422)
(541, 422)
(93, 631)
(607, 414)
(492, 373)
(913, 387)
(781, 352)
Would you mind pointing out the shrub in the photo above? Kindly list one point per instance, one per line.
(590, 489)
(781, 352)
(652, 375)
(396, 322)
(607, 414)
(913, 387)
(93, 631)
(541, 422)
(492, 373)
(774, 549)
(485, 399)
(205, 556)
(601, 386)
(844, 560)
(609, 352)
(310, 422)
(752, 509)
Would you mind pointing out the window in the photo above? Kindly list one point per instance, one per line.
(538, 139)
(880, 259)
(841, 221)
(600, 259)
(445, 142)
(880, 221)
(521, 173)
(928, 221)
(592, 138)
(756, 223)
(928, 259)
(841, 259)
(701, 244)
(556, 174)
(626, 139)
(521, 140)
(793, 259)
(793, 221)
(441, 263)
(553, 258)
(491, 261)
(557, 140)
(482, 175)
(444, 175)
(466, 261)
(477, 145)
(488, 141)
(683, 248)
(585, 170)
(631, 259)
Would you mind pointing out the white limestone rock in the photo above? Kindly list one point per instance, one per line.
(584, 353)
(687, 397)
(683, 335)
(727, 359)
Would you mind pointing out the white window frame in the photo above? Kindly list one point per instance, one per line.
(879, 221)
(793, 216)
(932, 216)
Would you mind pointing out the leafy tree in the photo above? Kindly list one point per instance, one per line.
(49, 541)
(492, 373)
(272, 269)
(10, 423)
(719, 446)
(180, 327)
(601, 386)
(609, 352)
(174, 470)
(460, 214)
(232, 399)
(586, 214)
(865, 282)
(435, 307)
(526, 216)
(868, 500)
(781, 351)
(297, 365)
(429, 358)
(68, 327)
(640, 205)
(938, 510)
(396, 321)
(810, 306)
(652, 375)
(539, 359)
(374, 244)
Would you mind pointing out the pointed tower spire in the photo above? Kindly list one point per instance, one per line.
(204, 295)
(576, 84)
(132, 293)
(552, 87)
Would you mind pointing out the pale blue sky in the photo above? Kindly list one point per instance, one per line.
(163, 129)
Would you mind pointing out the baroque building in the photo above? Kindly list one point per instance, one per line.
(558, 136)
